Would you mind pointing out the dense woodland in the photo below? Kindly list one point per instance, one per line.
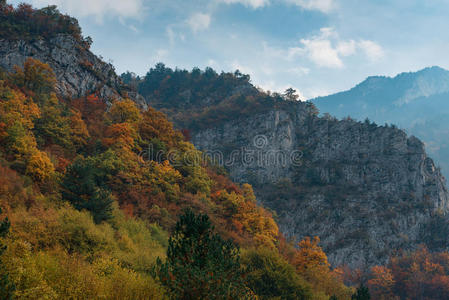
(90, 215)
(88, 212)
(204, 96)
(24, 22)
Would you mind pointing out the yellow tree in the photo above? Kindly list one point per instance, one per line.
(310, 255)
(16, 107)
(78, 129)
(124, 111)
(155, 125)
(35, 77)
(120, 136)
(39, 166)
(381, 283)
(311, 262)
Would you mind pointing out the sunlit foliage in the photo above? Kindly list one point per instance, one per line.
(91, 208)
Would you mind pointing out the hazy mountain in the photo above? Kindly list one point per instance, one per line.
(417, 102)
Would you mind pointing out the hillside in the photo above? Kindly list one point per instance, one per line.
(48, 36)
(103, 197)
(364, 189)
(414, 101)
(87, 207)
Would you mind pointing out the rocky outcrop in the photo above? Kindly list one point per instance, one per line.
(415, 101)
(78, 71)
(365, 190)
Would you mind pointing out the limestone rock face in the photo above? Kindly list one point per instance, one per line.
(365, 190)
(78, 71)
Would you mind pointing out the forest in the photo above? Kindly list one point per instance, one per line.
(24, 22)
(86, 215)
(204, 96)
(89, 215)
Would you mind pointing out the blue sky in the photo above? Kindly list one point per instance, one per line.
(316, 46)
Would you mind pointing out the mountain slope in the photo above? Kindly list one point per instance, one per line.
(56, 39)
(417, 102)
(364, 189)
(89, 206)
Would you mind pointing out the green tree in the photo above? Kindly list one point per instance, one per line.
(272, 277)
(200, 264)
(53, 126)
(290, 94)
(6, 286)
(362, 293)
(84, 187)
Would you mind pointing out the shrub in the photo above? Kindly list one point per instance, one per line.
(270, 276)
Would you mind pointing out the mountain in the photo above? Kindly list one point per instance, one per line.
(365, 190)
(92, 184)
(417, 102)
(87, 207)
(59, 43)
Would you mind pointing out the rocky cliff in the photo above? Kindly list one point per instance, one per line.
(415, 101)
(78, 71)
(365, 190)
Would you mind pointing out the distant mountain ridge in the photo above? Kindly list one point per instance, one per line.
(415, 101)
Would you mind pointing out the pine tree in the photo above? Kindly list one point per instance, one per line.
(6, 286)
(290, 94)
(362, 293)
(200, 264)
(84, 188)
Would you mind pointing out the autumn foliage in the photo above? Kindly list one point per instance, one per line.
(416, 275)
(91, 209)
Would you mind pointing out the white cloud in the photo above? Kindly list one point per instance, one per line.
(250, 3)
(272, 86)
(212, 63)
(328, 32)
(199, 22)
(321, 52)
(346, 48)
(327, 49)
(235, 65)
(295, 51)
(324, 6)
(372, 50)
(317, 92)
(98, 8)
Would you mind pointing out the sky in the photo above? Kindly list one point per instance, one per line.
(318, 47)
